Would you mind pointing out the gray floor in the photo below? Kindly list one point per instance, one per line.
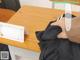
(22, 54)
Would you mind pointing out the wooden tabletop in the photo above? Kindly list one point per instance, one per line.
(5, 14)
(33, 19)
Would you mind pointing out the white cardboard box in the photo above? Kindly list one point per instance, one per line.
(12, 32)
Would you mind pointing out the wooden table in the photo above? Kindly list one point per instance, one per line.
(5, 14)
(33, 19)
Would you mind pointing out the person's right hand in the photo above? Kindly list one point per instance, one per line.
(74, 33)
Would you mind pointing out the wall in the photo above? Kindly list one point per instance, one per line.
(41, 3)
(48, 4)
(75, 8)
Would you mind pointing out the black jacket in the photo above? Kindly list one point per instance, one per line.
(54, 48)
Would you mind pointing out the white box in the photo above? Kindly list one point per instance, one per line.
(12, 32)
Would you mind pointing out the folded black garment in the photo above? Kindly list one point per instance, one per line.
(68, 15)
(10, 4)
(4, 48)
(54, 48)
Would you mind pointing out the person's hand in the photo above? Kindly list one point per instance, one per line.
(74, 33)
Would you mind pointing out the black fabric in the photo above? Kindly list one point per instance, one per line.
(68, 14)
(10, 4)
(54, 48)
(4, 47)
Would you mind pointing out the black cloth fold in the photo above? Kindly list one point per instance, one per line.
(54, 48)
(10, 4)
(4, 48)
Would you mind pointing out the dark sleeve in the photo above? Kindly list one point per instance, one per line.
(51, 33)
(48, 42)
